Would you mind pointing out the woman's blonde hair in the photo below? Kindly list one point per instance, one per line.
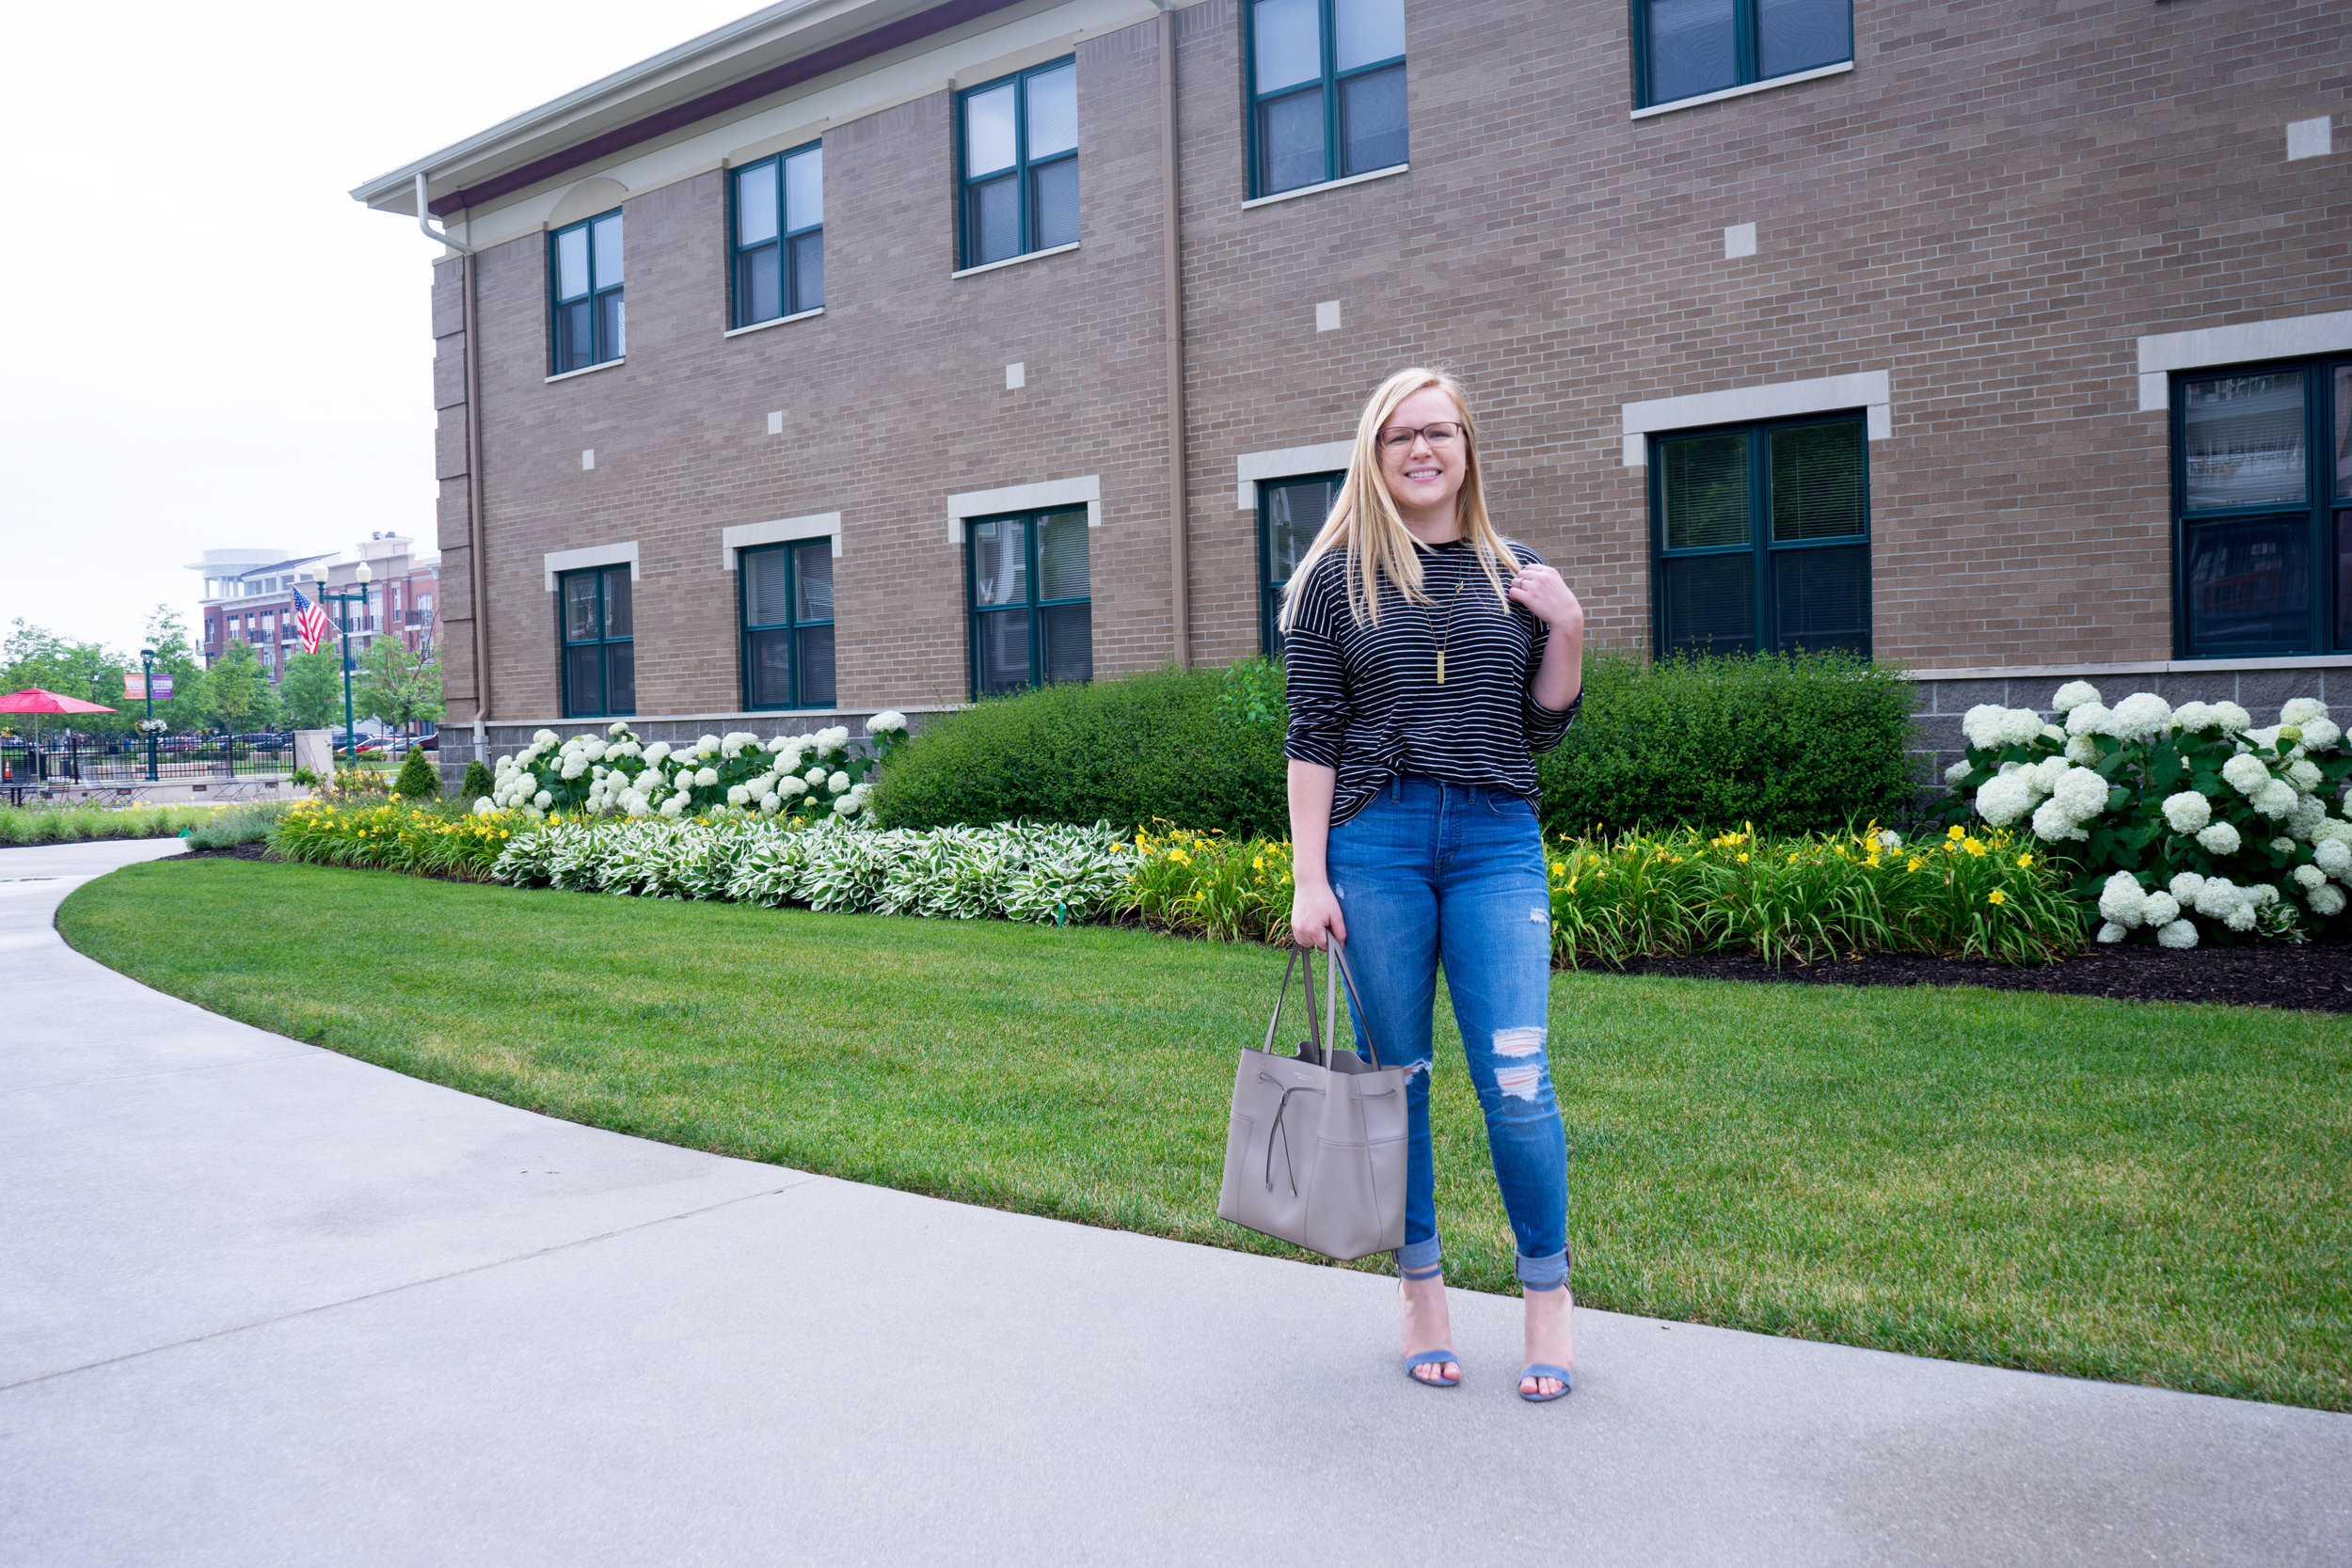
(1364, 523)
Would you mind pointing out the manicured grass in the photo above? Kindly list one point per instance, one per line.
(2146, 1193)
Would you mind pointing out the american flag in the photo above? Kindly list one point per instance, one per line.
(310, 620)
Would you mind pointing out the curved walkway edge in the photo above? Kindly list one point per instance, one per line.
(261, 1303)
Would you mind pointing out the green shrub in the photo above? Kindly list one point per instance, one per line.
(476, 784)
(420, 778)
(237, 825)
(1803, 744)
(1200, 747)
(80, 823)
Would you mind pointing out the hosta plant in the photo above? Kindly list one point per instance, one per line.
(2174, 821)
(799, 777)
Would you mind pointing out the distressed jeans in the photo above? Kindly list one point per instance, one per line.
(1436, 873)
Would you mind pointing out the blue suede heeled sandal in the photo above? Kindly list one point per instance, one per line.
(1428, 1357)
(1563, 1375)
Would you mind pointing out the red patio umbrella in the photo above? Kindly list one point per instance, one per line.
(36, 700)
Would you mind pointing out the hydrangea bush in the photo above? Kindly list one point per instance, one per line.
(802, 777)
(2173, 817)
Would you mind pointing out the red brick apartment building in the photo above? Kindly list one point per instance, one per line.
(249, 597)
(880, 353)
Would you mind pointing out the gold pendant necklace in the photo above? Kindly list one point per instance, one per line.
(1447, 636)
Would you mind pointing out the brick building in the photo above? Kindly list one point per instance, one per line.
(807, 367)
(248, 598)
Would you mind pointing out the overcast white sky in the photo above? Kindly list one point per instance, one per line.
(209, 344)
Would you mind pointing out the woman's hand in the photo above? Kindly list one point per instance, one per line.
(1547, 597)
(1314, 909)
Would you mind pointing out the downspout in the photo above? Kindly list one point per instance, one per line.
(474, 470)
(1173, 312)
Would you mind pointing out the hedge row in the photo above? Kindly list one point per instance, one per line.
(1792, 745)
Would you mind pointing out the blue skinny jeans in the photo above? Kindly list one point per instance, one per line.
(1436, 873)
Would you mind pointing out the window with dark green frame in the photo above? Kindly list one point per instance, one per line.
(1032, 610)
(596, 625)
(1289, 514)
(1762, 534)
(590, 319)
(1689, 48)
(2262, 510)
(1018, 142)
(787, 614)
(1325, 90)
(778, 240)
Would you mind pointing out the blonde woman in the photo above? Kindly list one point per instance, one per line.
(1428, 658)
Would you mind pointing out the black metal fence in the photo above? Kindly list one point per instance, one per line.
(71, 759)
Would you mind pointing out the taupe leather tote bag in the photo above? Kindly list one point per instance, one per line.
(1315, 1151)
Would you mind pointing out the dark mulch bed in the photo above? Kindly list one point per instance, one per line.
(2316, 977)
(234, 852)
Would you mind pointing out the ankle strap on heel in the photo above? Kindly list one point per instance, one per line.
(1432, 1272)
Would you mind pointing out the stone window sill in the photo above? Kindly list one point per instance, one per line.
(1327, 185)
(1790, 80)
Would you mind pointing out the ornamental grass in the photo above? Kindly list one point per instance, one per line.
(82, 823)
(1644, 896)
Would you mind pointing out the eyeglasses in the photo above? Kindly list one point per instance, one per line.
(1443, 433)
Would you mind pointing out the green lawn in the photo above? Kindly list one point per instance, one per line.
(2148, 1193)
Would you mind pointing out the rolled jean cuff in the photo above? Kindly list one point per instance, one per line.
(1419, 1255)
(1543, 1273)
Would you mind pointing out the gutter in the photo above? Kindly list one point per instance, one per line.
(468, 261)
(1172, 315)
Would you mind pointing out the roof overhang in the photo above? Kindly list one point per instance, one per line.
(764, 53)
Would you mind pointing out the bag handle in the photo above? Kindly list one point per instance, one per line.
(1355, 993)
(1314, 1026)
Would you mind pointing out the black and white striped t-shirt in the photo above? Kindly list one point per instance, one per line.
(1365, 700)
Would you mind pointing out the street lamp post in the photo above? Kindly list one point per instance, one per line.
(147, 663)
(342, 603)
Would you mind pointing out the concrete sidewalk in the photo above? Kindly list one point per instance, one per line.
(262, 1304)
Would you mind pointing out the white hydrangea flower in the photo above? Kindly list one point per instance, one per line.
(2185, 887)
(533, 813)
(2004, 800)
(2052, 733)
(2194, 718)
(2233, 718)
(2275, 798)
(2217, 898)
(814, 775)
(485, 806)
(832, 738)
(2333, 856)
(706, 777)
(838, 782)
(2302, 710)
(543, 738)
(507, 765)
(2282, 845)
(2007, 767)
(738, 795)
(1889, 840)
(2179, 934)
(791, 788)
(2268, 736)
(2048, 771)
(675, 806)
(2321, 733)
(2218, 838)
(2162, 908)
(2123, 900)
(543, 799)
(2083, 750)
(2110, 932)
(634, 804)
(655, 753)
(2326, 900)
(2311, 877)
(2082, 792)
(2073, 695)
(2304, 775)
(2138, 715)
(2241, 919)
(574, 766)
(1957, 772)
(886, 722)
(849, 805)
(2187, 810)
(770, 802)
(2261, 895)
(2245, 773)
(2089, 719)
(2052, 824)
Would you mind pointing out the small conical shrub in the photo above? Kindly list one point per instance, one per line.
(478, 782)
(419, 779)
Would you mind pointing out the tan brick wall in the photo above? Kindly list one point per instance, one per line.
(1990, 207)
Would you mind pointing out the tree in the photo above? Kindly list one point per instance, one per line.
(33, 656)
(176, 656)
(396, 686)
(237, 691)
(313, 689)
(419, 779)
